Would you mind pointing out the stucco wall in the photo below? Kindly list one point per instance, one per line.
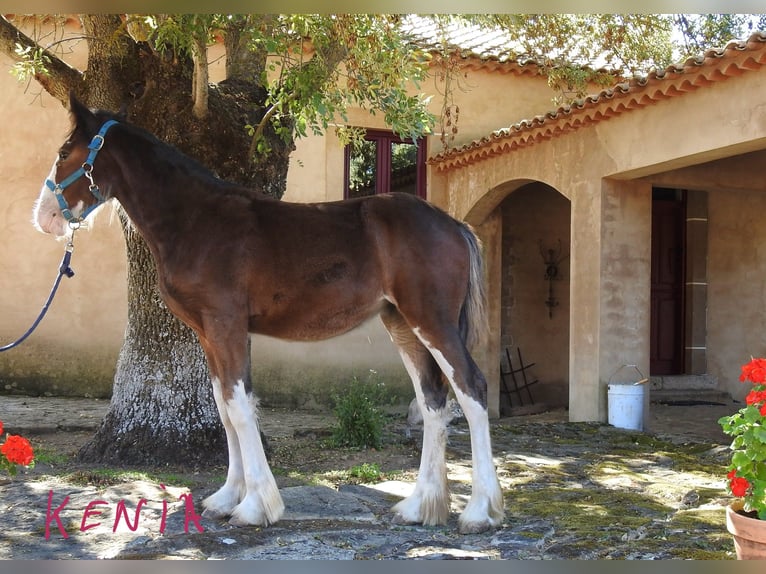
(736, 284)
(75, 348)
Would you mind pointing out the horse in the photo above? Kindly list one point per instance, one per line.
(233, 261)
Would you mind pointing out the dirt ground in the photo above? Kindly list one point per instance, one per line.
(572, 490)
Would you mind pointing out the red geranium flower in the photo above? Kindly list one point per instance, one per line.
(17, 450)
(739, 486)
(754, 371)
(754, 397)
(1, 427)
(746, 478)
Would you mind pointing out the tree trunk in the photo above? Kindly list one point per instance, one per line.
(162, 407)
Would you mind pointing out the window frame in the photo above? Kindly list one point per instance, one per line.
(383, 161)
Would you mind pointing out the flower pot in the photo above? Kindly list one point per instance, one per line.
(749, 533)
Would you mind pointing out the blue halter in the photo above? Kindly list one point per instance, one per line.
(86, 170)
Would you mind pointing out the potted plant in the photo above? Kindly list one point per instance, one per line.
(746, 516)
(15, 451)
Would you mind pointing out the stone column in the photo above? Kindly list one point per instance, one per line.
(584, 329)
(610, 292)
(626, 251)
(488, 357)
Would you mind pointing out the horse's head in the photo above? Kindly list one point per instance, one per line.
(74, 187)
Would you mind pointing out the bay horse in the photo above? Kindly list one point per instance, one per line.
(232, 261)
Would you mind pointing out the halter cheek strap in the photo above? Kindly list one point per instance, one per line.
(85, 170)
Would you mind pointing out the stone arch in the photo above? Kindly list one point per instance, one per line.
(526, 226)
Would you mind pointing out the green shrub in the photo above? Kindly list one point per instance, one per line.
(365, 472)
(360, 418)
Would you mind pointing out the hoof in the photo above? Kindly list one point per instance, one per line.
(219, 505)
(242, 518)
(258, 510)
(214, 514)
(239, 521)
(402, 520)
(474, 527)
(476, 523)
(426, 510)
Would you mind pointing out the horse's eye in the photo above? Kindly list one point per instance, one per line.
(63, 154)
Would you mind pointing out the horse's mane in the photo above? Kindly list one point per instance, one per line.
(168, 155)
(168, 160)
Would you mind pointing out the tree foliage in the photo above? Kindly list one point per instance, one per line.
(577, 51)
(699, 32)
(314, 67)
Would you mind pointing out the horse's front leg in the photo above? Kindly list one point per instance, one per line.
(262, 504)
(250, 494)
(224, 500)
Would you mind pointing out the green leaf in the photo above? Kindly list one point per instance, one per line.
(740, 460)
(751, 414)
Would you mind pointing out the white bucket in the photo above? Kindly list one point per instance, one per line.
(626, 405)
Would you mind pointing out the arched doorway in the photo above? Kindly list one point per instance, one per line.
(534, 306)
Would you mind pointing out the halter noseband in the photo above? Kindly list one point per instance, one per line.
(86, 170)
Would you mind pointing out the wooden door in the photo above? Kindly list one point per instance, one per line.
(667, 301)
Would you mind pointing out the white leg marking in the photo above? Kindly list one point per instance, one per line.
(429, 503)
(222, 502)
(262, 504)
(485, 510)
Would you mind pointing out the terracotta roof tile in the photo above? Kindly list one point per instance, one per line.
(476, 46)
(715, 65)
(465, 39)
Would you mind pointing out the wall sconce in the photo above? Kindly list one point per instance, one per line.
(552, 258)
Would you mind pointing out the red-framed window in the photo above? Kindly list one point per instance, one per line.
(384, 163)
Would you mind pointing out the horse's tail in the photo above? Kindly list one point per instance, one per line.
(474, 325)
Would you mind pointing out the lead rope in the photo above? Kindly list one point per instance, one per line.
(64, 269)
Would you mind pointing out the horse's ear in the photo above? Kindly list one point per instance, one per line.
(122, 115)
(82, 117)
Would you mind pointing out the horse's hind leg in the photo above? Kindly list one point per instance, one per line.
(485, 509)
(429, 503)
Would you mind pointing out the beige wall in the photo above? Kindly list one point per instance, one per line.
(75, 348)
(737, 284)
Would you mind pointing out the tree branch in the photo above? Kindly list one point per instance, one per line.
(259, 130)
(57, 79)
(200, 77)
